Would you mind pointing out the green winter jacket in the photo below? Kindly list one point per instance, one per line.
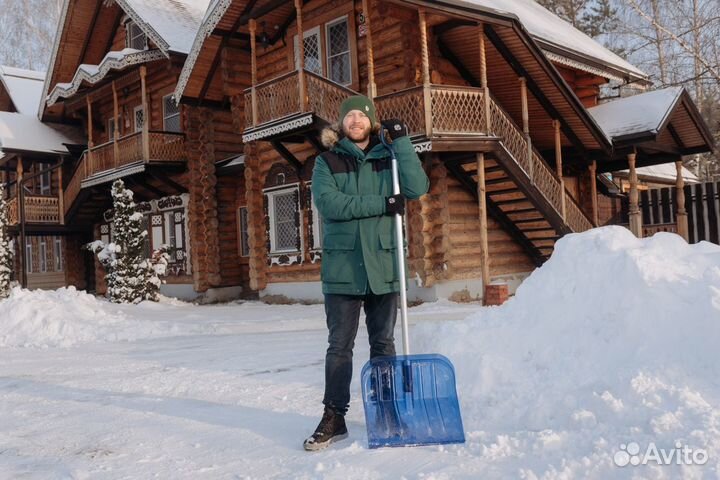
(349, 190)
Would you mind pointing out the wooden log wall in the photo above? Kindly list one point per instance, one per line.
(506, 256)
(235, 269)
(585, 85)
(202, 207)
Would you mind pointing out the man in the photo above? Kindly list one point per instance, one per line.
(352, 189)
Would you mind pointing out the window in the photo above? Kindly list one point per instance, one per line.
(139, 118)
(284, 224)
(243, 227)
(171, 115)
(43, 255)
(28, 256)
(111, 129)
(313, 51)
(338, 47)
(58, 256)
(45, 180)
(135, 37)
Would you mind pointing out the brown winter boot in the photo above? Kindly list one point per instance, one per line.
(330, 429)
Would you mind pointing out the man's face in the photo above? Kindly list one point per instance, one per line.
(356, 126)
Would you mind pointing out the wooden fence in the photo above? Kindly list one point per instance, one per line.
(702, 203)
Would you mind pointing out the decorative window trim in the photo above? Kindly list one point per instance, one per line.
(28, 256)
(58, 254)
(42, 250)
(328, 25)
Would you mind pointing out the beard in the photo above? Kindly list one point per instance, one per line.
(357, 136)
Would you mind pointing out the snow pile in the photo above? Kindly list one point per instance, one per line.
(65, 317)
(613, 341)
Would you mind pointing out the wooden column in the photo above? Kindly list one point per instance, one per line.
(526, 125)
(253, 71)
(425, 72)
(634, 214)
(116, 127)
(146, 114)
(301, 54)
(372, 87)
(681, 214)
(593, 192)
(482, 204)
(483, 77)
(61, 195)
(88, 163)
(559, 167)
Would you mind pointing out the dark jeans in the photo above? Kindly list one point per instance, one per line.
(343, 314)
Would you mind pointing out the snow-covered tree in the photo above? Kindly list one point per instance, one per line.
(130, 277)
(5, 251)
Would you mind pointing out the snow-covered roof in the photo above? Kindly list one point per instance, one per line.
(24, 87)
(641, 113)
(662, 172)
(94, 73)
(28, 133)
(175, 22)
(554, 33)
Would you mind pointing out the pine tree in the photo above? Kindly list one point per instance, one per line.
(131, 278)
(5, 252)
(593, 17)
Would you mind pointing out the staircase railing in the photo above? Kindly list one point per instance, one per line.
(538, 172)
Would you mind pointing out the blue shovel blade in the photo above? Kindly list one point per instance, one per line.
(411, 400)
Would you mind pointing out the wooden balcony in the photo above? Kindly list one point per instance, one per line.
(126, 156)
(40, 209)
(278, 107)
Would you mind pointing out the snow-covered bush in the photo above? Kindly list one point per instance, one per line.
(130, 277)
(6, 259)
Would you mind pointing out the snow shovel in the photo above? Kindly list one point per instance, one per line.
(409, 399)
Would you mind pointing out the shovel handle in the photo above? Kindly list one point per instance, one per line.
(400, 244)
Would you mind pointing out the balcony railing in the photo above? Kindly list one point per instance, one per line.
(280, 97)
(161, 147)
(38, 209)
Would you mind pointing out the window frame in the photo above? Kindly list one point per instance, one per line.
(28, 256)
(243, 233)
(328, 25)
(292, 189)
(45, 180)
(130, 36)
(166, 116)
(58, 253)
(138, 108)
(308, 33)
(43, 255)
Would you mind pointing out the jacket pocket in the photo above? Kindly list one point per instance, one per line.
(388, 257)
(338, 255)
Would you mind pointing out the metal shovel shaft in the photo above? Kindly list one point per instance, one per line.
(400, 251)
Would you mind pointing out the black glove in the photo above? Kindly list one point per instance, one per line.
(395, 128)
(395, 204)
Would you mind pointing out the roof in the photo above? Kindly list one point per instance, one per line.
(643, 113)
(557, 35)
(94, 73)
(663, 172)
(20, 132)
(24, 87)
(175, 21)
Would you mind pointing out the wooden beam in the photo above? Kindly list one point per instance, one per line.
(526, 127)
(634, 213)
(444, 27)
(424, 50)
(593, 192)
(372, 88)
(146, 114)
(482, 207)
(162, 177)
(61, 195)
(301, 55)
(253, 73)
(559, 168)
(681, 214)
(116, 127)
(457, 63)
(286, 154)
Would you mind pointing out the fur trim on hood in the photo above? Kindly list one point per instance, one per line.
(329, 137)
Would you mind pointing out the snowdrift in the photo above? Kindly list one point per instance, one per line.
(614, 340)
(66, 317)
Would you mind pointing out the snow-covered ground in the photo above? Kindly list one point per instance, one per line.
(607, 352)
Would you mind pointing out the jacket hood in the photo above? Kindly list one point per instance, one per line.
(329, 137)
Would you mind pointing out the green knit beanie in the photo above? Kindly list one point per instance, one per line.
(358, 102)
